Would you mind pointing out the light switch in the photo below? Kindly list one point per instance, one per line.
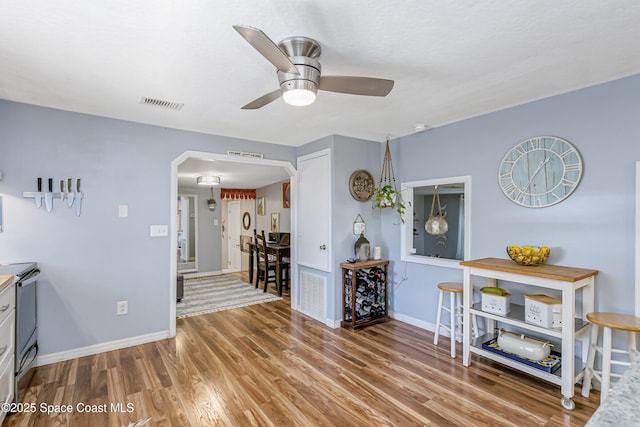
(158, 230)
(123, 211)
(215, 222)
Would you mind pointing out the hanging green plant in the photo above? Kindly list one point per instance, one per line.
(211, 202)
(386, 194)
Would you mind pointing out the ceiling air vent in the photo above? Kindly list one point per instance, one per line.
(162, 104)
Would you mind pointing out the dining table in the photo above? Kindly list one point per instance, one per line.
(279, 251)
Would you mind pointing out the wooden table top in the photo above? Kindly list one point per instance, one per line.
(548, 271)
(364, 264)
(5, 281)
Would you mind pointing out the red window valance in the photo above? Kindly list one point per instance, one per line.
(237, 194)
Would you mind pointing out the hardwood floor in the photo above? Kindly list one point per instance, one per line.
(265, 365)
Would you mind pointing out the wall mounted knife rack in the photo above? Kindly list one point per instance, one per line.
(46, 198)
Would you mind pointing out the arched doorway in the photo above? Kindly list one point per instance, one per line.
(287, 166)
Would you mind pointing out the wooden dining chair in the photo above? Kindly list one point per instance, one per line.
(266, 265)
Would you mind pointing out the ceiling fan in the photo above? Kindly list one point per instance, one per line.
(299, 72)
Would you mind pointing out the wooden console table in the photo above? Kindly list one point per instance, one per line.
(565, 279)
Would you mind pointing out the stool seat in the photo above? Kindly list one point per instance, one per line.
(622, 322)
(450, 287)
(608, 322)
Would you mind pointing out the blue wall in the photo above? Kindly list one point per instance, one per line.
(593, 228)
(90, 262)
(93, 261)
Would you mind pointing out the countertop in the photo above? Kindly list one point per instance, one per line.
(5, 281)
(620, 406)
(547, 271)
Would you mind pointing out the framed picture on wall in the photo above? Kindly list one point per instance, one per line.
(286, 190)
(275, 222)
(245, 243)
(261, 205)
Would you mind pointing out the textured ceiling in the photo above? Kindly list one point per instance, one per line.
(450, 59)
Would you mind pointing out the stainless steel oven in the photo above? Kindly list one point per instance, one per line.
(26, 279)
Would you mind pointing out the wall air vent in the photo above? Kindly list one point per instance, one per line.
(162, 104)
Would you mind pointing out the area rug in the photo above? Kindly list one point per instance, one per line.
(215, 293)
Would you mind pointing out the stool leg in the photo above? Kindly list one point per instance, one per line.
(606, 363)
(633, 352)
(452, 325)
(460, 316)
(591, 356)
(438, 318)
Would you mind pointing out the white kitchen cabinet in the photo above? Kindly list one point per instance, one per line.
(574, 327)
(7, 341)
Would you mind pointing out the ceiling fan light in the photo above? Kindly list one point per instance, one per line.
(299, 93)
(208, 180)
(299, 97)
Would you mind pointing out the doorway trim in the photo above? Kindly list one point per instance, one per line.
(195, 226)
(233, 253)
(173, 234)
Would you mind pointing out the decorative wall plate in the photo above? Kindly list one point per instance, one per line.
(540, 171)
(246, 220)
(361, 185)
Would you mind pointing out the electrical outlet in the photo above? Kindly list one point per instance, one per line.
(158, 230)
(122, 308)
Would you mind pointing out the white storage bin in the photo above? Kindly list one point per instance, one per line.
(497, 304)
(543, 310)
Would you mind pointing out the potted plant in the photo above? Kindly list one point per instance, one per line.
(211, 202)
(387, 197)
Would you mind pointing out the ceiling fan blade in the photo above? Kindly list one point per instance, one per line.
(263, 100)
(356, 85)
(263, 44)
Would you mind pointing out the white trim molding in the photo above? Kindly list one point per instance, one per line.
(407, 252)
(637, 260)
(173, 206)
(46, 359)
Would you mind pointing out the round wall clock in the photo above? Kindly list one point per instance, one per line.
(540, 171)
(361, 185)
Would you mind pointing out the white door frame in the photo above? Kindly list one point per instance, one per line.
(233, 254)
(637, 257)
(173, 260)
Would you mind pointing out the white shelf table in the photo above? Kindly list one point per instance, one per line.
(568, 280)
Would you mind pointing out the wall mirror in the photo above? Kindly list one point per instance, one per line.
(446, 250)
(187, 217)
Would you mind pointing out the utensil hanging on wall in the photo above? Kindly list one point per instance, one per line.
(436, 225)
(62, 193)
(48, 196)
(79, 196)
(38, 196)
(70, 195)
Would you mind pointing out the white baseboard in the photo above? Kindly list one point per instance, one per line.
(46, 359)
(334, 324)
(416, 322)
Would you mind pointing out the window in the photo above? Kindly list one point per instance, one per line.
(445, 250)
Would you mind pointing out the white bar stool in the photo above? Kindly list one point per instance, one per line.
(608, 321)
(455, 314)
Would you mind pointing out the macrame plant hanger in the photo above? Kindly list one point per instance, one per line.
(387, 176)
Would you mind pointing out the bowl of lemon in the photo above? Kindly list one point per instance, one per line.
(528, 255)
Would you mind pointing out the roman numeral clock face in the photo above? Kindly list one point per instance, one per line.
(540, 171)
